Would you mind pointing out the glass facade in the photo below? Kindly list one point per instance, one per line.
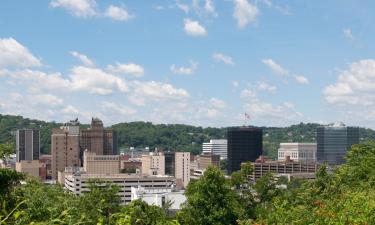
(333, 142)
(244, 144)
(27, 145)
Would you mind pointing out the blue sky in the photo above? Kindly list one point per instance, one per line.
(200, 62)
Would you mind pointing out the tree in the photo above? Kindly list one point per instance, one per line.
(6, 149)
(210, 200)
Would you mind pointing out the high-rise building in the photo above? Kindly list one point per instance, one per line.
(99, 140)
(27, 145)
(244, 144)
(297, 151)
(65, 149)
(153, 163)
(28, 151)
(169, 163)
(216, 147)
(333, 142)
(182, 168)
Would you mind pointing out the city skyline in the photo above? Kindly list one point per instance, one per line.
(172, 61)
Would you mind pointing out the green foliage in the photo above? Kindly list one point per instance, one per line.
(6, 149)
(8, 179)
(210, 200)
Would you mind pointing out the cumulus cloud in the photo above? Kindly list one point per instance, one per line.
(205, 8)
(155, 91)
(348, 33)
(220, 57)
(184, 70)
(248, 93)
(266, 112)
(117, 109)
(244, 12)
(129, 68)
(83, 58)
(96, 81)
(264, 86)
(217, 103)
(194, 28)
(78, 8)
(117, 13)
(182, 6)
(301, 79)
(354, 86)
(276, 68)
(13, 54)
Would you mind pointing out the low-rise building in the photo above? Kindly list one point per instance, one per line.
(159, 196)
(101, 164)
(297, 151)
(288, 167)
(78, 183)
(28, 167)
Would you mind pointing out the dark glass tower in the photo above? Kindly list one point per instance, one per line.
(27, 145)
(244, 144)
(334, 141)
(169, 163)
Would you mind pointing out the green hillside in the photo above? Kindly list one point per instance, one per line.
(174, 137)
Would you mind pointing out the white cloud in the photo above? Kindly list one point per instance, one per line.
(248, 93)
(276, 68)
(193, 28)
(348, 33)
(45, 100)
(218, 103)
(117, 13)
(78, 8)
(83, 58)
(13, 54)
(185, 70)
(70, 110)
(263, 86)
(205, 9)
(223, 58)
(244, 12)
(301, 79)
(129, 68)
(113, 108)
(155, 91)
(182, 6)
(355, 86)
(283, 10)
(268, 113)
(235, 84)
(96, 81)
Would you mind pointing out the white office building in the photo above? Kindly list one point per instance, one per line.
(159, 196)
(297, 152)
(216, 147)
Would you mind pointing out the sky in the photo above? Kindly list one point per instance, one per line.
(198, 62)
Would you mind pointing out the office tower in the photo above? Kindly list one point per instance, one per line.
(169, 163)
(65, 149)
(244, 144)
(28, 151)
(333, 142)
(216, 147)
(27, 145)
(99, 140)
(153, 163)
(182, 168)
(297, 151)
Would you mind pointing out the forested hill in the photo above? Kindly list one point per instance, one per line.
(170, 137)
